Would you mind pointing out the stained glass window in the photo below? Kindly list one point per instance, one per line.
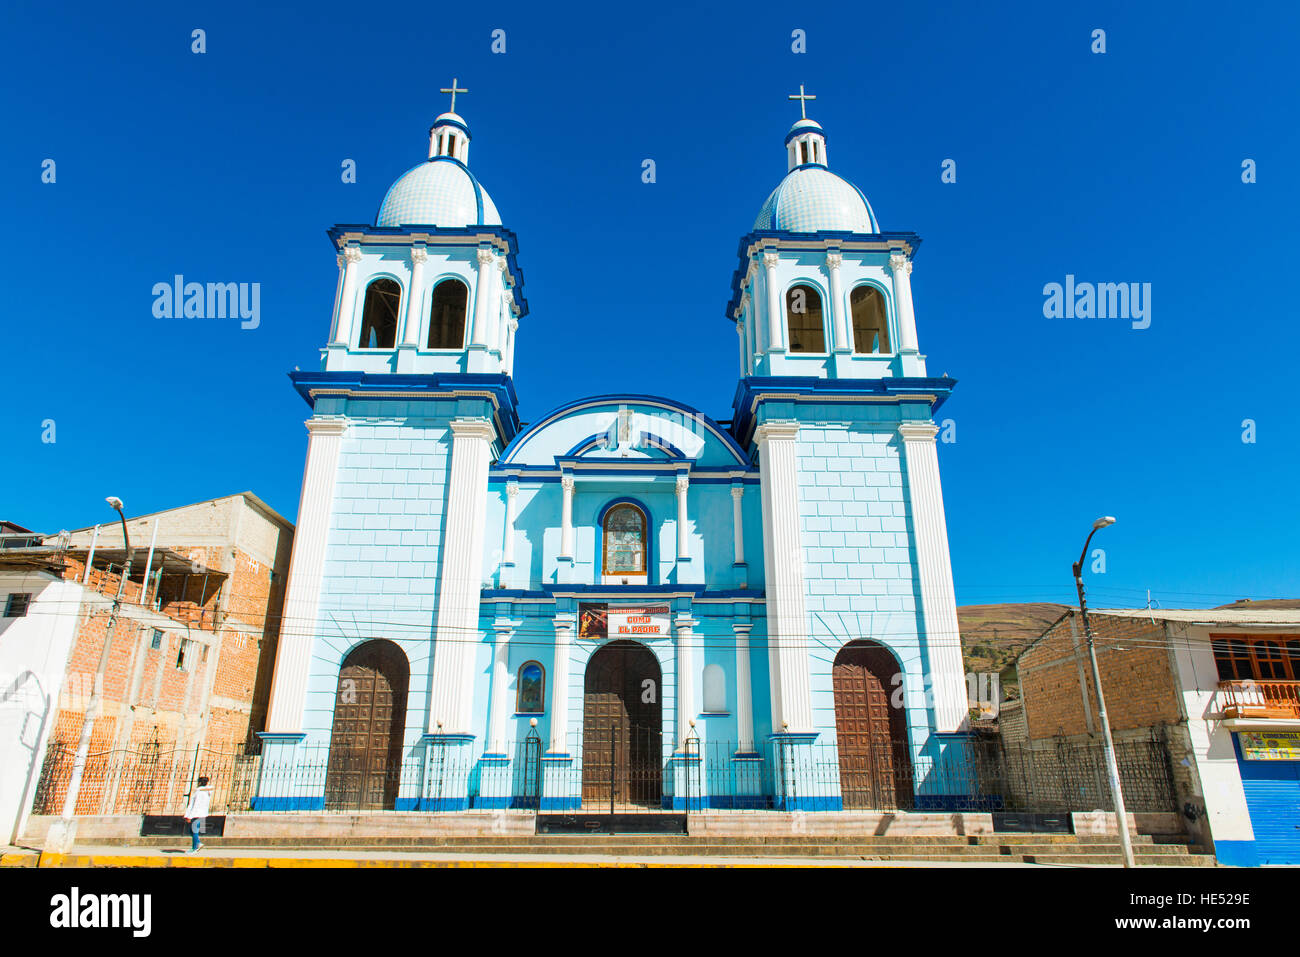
(531, 689)
(625, 541)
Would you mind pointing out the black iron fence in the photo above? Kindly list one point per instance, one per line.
(623, 774)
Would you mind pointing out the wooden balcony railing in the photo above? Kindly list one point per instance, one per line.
(1247, 698)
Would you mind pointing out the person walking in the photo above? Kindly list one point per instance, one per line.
(196, 814)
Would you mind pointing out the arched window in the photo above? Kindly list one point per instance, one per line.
(624, 552)
(803, 309)
(870, 324)
(530, 689)
(447, 315)
(379, 315)
(715, 689)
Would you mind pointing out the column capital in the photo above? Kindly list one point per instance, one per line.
(342, 260)
(742, 627)
(486, 257)
(918, 431)
(512, 324)
(473, 429)
(352, 254)
(326, 426)
(900, 263)
(566, 622)
(566, 482)
(684, 620)
(683, 483)
(770, 259)
(512, 488)
(776, 430)
(834, 260)
(505, 626)
(737, 491)
(740, 328)
(419, 255)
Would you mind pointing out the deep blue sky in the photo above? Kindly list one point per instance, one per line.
(1117, 167)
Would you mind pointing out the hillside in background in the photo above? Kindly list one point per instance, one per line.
(992, 636)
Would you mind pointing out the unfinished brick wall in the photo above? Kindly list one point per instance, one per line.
(1136, 673)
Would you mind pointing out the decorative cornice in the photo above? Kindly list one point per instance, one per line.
(897, 262)
(473, 429)
(918, 431)
(326, 426)
(776, 430)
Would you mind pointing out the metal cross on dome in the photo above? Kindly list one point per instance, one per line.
(453, 90)
(801, 97)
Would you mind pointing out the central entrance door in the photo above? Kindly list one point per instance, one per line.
(622, 737)
(875, 770)
(369, 722)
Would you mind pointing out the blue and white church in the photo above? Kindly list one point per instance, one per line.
(626, 602)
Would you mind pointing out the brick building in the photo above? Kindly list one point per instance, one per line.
(190, 660)
(1220, 688)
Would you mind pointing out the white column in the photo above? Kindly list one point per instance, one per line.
(683, 541)
(685, 667)
(338, 297)
(787, 626)
(566, 517)
(938, 602)
(901, 267)
(564, 626)
(306, 566)
(839, 325)
(497, 340)
(740, 334)
(746, 311)
(744, 689)
(482, 298)
(512, 325)
(500, 709)
(459, 577)
(343, 321)
(414, 298)
(148, 566)
(508, 543)
(738, 522)
(775, 308)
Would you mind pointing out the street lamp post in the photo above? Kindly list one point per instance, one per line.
(66, 830)
(1112, 767)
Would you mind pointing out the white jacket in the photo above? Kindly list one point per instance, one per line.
(200, 803)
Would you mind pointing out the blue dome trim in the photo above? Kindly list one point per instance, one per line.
(460, 126)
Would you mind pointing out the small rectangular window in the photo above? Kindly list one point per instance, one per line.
(16, 604)
(180, 654)
(156, 641)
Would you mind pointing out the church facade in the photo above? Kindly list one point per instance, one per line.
(626, 602)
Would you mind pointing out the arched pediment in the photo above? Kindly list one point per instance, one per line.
(625, 428)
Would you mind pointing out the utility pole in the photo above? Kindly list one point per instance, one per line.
(65, 833)
(1112, 767)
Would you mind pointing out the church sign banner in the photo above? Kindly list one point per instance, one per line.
(599, 620)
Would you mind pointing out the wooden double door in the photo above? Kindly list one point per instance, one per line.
(365, 759)
(622, 736)
(871, 734)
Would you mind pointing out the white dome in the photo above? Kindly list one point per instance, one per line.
(812, 199)
(439, 192)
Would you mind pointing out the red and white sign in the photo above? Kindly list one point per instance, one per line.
(638, 621)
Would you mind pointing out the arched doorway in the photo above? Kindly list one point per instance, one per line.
(875, 766)
(622, 734)
(365, 760)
